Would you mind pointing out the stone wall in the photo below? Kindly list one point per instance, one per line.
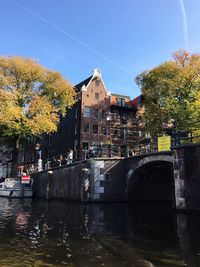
(187, 177)
(66, 182)
(108, 179)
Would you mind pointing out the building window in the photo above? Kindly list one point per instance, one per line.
(114, 132)
(21, 156)
(129, 133)
(96, 113)
(76, 113)
(97, 82)
(135, 133)
(105, 130)
(76, 128)
(85, 145)
(86, 112)
(122, 133)
(123, 118)
(95, 129)
(121, 102)
(86, 128)
(103, 114)
(76, 145)
(125, 134)
(96, 96)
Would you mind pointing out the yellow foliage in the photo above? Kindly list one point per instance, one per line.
(31, 97)
(171, 91)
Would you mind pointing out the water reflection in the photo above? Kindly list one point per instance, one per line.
(58, 233)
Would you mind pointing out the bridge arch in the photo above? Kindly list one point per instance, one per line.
(152, 179)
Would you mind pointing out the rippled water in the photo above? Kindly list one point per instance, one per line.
(58, 233)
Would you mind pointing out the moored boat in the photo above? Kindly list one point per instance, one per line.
(16, 187)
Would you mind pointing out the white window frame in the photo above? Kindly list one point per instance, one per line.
(86, 112)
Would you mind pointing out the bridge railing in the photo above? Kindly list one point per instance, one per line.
(179, 136)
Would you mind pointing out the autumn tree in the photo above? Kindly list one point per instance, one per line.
(172, 93)
(31, 99)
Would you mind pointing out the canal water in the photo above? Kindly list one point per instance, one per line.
(58, 233)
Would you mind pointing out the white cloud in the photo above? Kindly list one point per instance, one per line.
(185, 23)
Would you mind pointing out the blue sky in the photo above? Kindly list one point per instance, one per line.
(120, 37)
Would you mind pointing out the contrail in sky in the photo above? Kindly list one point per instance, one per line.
(185, 24)
(74, 38)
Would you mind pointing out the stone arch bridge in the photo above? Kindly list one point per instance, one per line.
(173, 177)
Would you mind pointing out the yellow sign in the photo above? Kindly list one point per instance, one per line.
(164, 143)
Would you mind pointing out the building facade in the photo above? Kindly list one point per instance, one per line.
(100, 120)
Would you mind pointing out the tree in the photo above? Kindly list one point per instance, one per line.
(31, 99)
(172, 93)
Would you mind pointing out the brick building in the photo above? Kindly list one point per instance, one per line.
(107, 122)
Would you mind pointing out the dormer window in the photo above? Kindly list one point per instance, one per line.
(121, 102)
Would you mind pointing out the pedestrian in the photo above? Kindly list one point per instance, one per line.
(130, 153)
(65, 161)
(32, 168)
(53, 162)
(70, 156)
(91, 152)
(60, 160)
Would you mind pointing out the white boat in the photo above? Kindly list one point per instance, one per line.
(15, 187)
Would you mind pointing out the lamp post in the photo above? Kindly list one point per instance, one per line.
(39, 157)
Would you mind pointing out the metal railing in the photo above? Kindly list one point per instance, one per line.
(142, 146)
(179, 137)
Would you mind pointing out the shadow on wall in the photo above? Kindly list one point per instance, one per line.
(152, 182)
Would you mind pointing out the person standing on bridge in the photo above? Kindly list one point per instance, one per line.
(130, 153)
(70, 156)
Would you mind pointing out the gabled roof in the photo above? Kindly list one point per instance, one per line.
(85, 82)
(136, 101)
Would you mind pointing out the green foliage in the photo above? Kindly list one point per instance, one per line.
(172, 93)
(31, 98)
